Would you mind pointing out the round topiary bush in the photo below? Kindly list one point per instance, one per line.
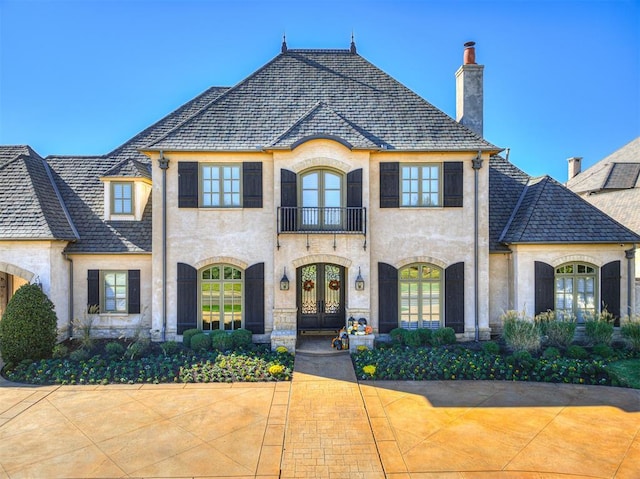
(188, 334)
(201, 342)
(221, 340)
(241, 338)
(28, 328)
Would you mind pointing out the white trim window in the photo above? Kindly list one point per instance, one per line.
(114, 291)
(576, 292)
(121, 197)
(221, 297)
(420, 294)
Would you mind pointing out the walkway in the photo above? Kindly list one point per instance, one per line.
(322, 424)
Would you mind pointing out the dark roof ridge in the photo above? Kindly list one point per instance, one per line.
(63, 205)
(320, 50)
(514, 211)
(316, 106)
(207, 105)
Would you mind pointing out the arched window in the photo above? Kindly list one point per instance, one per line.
(576, 290)
(421, 296)
(322, 199)
(221, 297)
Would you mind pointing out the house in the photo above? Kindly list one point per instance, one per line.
(613, 186)
(317, 189)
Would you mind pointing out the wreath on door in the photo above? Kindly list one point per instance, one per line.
(307, 285)
(334, 284)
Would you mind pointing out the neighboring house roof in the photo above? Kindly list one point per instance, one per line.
(613, 172)
(130, 168)
(30, 205)
(319, 93)
(547, 212)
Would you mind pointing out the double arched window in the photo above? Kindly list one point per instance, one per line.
(421, 288)
(221, 297)
(576, 290)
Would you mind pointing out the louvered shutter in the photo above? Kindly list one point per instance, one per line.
(252, 184)
(544, 287)
(454, 297)
(354, 200)
(134, 291)
(387, 297)
(93, 288)
(452, 189)
(288, 200)
(610, 289)
(254, 298)
(389, 185)
(187, 184)
(187, 313)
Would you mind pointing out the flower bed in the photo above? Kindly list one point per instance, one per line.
(459, 362)
(181, 366)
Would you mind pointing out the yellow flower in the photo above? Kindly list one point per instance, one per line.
(281, 350)
(362, 347)
(369, 369)
(276, 369)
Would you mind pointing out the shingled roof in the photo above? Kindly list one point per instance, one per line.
(547, 212)
(320, 93)
(30, 205)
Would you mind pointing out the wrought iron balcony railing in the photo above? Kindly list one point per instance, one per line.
(350, 220)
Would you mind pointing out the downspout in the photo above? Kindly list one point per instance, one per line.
(477, 164)
(630, 254)
(66, 256)
(163, 163)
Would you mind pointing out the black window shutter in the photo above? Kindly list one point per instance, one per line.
(187, 314)
(544, 287)
(387, 297)
(452, 188)
(93, 288)
(188, 184)
(610, 289)
(389, 185)
(134, 291)
(454, 297)
(288, 200)
(252, 184)
(354, 200)
(254, 298)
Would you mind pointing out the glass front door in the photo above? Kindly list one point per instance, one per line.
(320, 296)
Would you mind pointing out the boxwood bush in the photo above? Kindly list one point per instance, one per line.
(188, 334)
(201, 342)
(28, 329)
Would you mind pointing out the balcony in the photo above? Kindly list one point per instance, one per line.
(322, 220)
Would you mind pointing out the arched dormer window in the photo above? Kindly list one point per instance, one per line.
(322, 199)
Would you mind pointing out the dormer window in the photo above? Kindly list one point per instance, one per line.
(122, 198)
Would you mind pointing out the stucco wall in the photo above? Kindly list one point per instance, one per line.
(43, 262)
(500, 289)
(112, 324)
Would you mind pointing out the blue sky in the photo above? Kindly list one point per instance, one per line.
(562, 78)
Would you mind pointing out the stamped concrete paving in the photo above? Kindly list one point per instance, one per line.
(323, 424)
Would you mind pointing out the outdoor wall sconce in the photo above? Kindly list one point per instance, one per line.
(359, 281)
(284, 282)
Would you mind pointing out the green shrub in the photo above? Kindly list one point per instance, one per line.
(201, 342)
(630, 331)
(443, 336)
(491, 347)
(114, 349)
(425, 336)
(83, 327)
(551, 353)
(577, 352)
(520, 333)
(556, 331)
(412, 338)
(397, 336)
(137, 348)
(59, 351)
(522, 360)
(221, 340)
(603, 350)
(79, 355)
(169, 348)
(28, 328)
(188, 334)
(241, 338)
(599, 329)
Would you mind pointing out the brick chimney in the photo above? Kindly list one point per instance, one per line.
(469, 91)
(574, 166)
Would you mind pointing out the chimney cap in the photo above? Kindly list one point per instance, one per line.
(469, 44)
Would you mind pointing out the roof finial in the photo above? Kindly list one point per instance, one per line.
(353, 44)
(284, 43)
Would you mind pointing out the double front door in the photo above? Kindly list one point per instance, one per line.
(320, 296)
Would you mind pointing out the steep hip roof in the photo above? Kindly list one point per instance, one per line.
(30, 205)
(319, 93)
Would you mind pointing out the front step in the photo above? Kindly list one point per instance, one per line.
(317, 345)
